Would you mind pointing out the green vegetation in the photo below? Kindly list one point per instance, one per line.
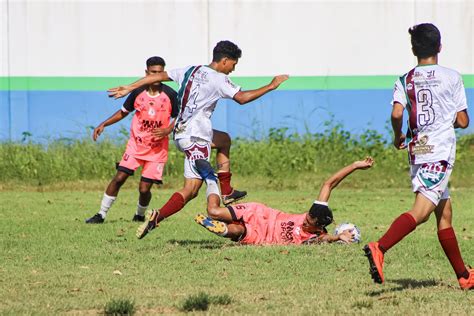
(282, 159)
(53, 263)
(119, 307)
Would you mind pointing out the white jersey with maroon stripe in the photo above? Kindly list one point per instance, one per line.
(200, 87)
(432, 96)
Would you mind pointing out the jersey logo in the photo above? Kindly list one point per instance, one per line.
(151, 112)
(196, 152)
(432, 174)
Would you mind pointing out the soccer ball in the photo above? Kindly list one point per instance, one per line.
(354, 229)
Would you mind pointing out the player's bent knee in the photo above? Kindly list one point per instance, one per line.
(213, 212)
(205, 169)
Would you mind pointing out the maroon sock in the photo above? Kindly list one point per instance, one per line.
(447, 239)
(400, 227)
(174, 205)
(224, 181)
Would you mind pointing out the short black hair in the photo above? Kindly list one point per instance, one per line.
(226, 49)
(322, 213)
(155, 61)
(425, 40)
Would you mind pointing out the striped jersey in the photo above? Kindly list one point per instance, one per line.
(200, 87)
(432, 96)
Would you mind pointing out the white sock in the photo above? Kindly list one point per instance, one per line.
(141, 209)
(106, 204)
(212, 188)
(226, 231)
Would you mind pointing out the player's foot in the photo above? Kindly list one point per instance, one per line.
(214, 226)
(233, 197)
(149, 224)
(96, 219)
(375, 256)
(138, 218)
(467, 284)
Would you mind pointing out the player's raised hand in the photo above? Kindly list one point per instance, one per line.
(278, 80)
(399, 142)
(364, 164)
(118, 92)
(97, 131)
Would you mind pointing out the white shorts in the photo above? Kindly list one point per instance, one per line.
(193, 148)
(431, 179)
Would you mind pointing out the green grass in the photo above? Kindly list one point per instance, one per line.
(52, 263)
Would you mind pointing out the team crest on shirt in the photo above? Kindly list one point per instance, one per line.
(421, 146)
(431, 174)
(151, 112)
(409, 86)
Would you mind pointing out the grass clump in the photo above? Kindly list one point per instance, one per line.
(120, 306)
(201, 301)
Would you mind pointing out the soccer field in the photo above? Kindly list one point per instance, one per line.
(53, 263)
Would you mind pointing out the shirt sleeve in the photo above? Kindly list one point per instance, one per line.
(399, 95)
(129, 104)
(459, 95)
(173, 96)
(227, 89)
(177, 75)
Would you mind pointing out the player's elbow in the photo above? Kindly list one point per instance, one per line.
(241, 98)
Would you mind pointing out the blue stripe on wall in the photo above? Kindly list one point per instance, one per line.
(55, 114)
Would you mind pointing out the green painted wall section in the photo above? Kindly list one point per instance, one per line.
(294, 83)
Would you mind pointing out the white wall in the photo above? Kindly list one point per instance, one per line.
(113, 38)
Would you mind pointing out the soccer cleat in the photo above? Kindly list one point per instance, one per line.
(375, 256)
(96, 219)
(138, 218)
(149, 224)
(467, 284)
(214, 226)
(233, 197)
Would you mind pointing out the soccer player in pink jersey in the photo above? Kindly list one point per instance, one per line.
(200, 87)
(258, 224)
(435, 100)
(154, 106)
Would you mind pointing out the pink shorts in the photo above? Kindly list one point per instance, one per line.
(152, 171)
(257, 219)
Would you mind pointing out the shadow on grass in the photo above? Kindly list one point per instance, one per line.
(203, 244)
(404, 284)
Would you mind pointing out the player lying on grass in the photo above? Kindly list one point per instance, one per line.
(200, 87)
(154, 106)
(435, 100)
(258, 224)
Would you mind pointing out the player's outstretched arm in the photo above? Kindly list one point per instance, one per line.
(114, 118)
(462, 119)
(336, 178)
(121, 91)
(243, 97)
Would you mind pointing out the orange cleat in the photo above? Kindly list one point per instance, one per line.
(467, 284)
(375, 256)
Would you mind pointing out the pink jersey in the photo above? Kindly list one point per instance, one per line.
(151, 112)
(267, 226)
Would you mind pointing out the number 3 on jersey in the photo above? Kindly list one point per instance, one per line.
(424, 99)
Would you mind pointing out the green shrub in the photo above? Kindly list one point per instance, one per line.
(119, 307)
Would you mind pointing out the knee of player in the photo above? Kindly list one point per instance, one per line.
(226, 140)
(119, 179)
(144, 190)
(213, 211)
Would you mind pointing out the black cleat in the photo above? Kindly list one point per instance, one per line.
(233, 197)
(138, 218)
(96, 219)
